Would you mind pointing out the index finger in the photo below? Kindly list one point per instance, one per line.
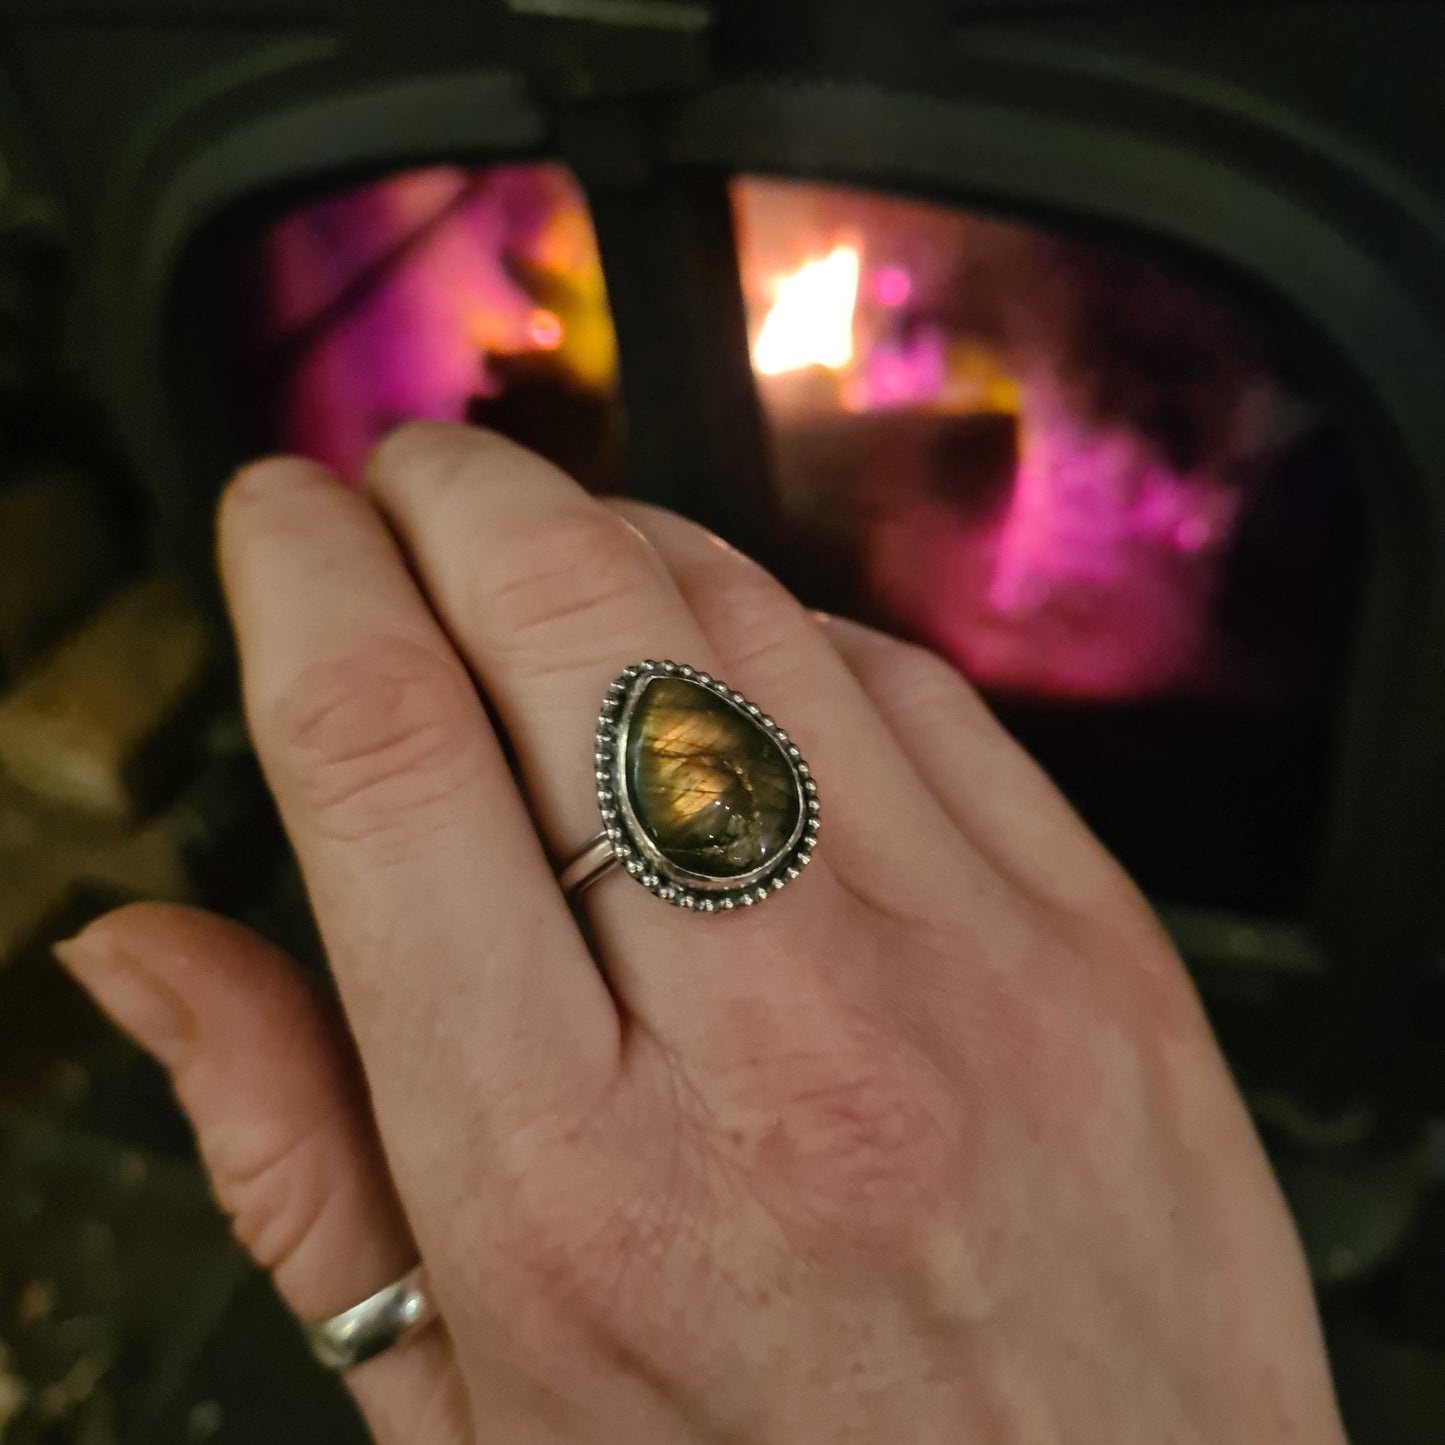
(468, 988)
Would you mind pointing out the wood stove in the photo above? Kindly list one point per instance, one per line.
(1097, 343)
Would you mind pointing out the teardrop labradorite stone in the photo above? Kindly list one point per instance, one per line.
(715, 794)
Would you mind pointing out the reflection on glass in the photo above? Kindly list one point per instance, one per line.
(441, 293)
(1088, 480)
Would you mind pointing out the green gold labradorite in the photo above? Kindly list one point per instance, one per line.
(708, 786)
(705, 800)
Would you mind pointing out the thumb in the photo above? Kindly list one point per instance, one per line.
(264, 1070)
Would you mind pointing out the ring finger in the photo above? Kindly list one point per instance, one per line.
(549, 595)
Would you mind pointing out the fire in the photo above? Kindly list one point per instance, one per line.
(811, 321)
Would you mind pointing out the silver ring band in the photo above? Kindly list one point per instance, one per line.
(586, 867)
(376, 1324)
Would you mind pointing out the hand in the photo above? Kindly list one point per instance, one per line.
(934, 1145)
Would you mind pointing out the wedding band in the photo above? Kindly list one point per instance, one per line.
(704, 799)
(376, 1324)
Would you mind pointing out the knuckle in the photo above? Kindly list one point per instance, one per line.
(376, 734)
(768, 628)
(276, 1196)
(580, 576)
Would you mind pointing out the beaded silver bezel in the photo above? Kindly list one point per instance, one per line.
(635, 850)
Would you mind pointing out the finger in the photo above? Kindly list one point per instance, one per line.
(472, 999)
(549, 596)
(995, 793)
(893, 840)
(265, 1074)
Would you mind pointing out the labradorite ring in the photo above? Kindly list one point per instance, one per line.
(705, 800)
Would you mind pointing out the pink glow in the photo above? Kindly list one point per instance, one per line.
(1099, 576)
(892, 286)
(1072, 589)
(1087, 502)
(1192, 534)
(1093, 571)
(901, 373)
(421, 340)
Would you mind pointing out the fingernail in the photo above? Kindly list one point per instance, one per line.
(130, 992)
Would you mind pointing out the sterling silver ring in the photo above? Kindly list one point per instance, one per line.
(704, 799)
(376, 1324)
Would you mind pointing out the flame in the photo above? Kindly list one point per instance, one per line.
(811, 322)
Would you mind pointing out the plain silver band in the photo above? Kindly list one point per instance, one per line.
(376, 1324)
(586, 867)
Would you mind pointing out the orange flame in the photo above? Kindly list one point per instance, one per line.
(811, 321)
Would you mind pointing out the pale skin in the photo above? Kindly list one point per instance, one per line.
(933, 1146)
